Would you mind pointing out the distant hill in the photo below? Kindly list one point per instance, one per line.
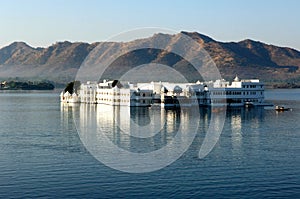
(60, 61)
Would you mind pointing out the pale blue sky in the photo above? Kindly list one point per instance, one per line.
(44, 22)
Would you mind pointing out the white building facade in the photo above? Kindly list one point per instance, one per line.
(166, 94)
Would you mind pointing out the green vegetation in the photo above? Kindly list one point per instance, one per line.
(18, 85)
(72, 87)
(286, 85)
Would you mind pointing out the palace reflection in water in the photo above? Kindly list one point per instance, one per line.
(142, 130)
(241, 121)
(137, 129)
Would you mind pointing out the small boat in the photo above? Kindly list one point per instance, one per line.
(281, 108)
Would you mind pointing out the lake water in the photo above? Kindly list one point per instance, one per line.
(42, 155)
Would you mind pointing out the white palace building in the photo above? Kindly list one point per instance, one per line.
(166, 94)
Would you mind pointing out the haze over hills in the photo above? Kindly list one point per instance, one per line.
(60, 61)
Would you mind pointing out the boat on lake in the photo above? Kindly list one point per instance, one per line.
(282, 108)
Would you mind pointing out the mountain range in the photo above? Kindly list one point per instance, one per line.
(61, 61)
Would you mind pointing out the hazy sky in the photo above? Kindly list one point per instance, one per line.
(44, 22)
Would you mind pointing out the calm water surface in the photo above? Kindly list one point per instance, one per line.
(257, 155)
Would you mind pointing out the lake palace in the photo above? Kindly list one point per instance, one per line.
(166, 94)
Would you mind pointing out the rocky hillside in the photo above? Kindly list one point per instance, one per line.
(250, 58)
(60, 61)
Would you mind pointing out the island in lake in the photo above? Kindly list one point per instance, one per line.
(18, 85)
